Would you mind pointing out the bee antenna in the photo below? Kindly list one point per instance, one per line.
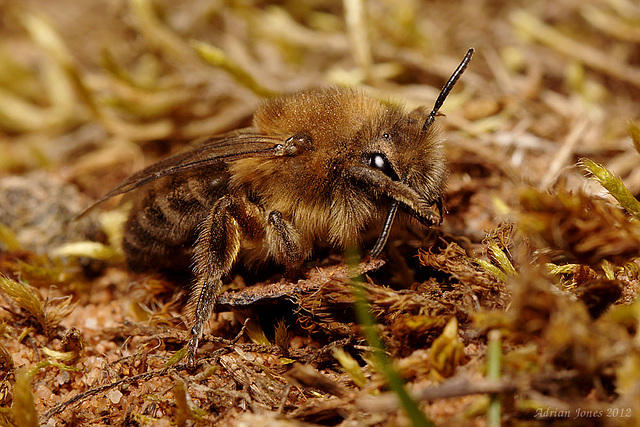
(447, 88)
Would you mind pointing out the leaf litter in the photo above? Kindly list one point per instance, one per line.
(540, 244)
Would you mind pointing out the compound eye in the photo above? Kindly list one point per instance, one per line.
(379, 161)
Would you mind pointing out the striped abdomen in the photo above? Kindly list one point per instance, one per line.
(162, 227)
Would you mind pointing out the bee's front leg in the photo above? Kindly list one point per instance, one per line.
(216, 250)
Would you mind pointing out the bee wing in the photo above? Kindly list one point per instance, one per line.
(229, 147)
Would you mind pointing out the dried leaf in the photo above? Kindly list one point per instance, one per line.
(350, 365)
(469, 275)
(26, 297)
(218, 58)
(282, 335)
(8, 238)
(181, 398)
(24, 408)
(57, 309)
(61, 356)
(588, 229)
(501, 259)
(634, 132)
(614, 186)
(87, 249)
(447, 351)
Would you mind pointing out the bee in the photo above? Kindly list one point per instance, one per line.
(317, 167)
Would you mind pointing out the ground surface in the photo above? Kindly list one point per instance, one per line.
(535, 261)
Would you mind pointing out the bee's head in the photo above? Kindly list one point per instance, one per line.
(404, 160)
(399, 151)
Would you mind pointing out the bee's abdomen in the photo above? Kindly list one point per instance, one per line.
(162, 228)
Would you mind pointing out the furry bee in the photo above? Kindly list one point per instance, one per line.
(319, 166)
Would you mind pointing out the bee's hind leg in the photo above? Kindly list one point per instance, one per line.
(216, 250)
(217, 247)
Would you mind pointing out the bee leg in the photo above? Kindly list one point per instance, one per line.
(216, 249)
(284, 241)
(284, 238)
(440, 205)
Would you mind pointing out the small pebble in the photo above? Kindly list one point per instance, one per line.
(114, 396)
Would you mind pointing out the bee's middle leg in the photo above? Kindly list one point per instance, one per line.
(286, 245)
(284, 241)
